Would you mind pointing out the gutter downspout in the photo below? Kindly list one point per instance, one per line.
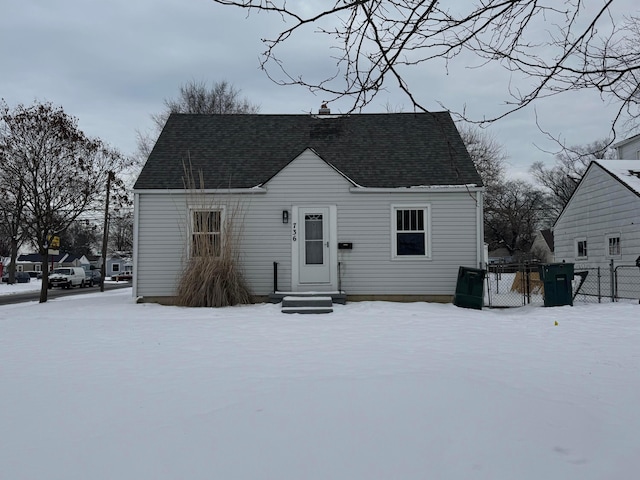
(136, 219)
(480, 229)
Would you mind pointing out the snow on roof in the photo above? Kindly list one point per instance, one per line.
(627, 171)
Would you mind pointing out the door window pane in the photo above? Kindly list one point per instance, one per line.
(313, 239)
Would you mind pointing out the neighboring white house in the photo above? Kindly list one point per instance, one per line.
(601, 221)
(379, 206)
(542, 247)
(628, 149)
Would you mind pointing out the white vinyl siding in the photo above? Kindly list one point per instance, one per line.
(630, 150)
(363, 219)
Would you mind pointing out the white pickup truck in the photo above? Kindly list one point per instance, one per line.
(67, 277)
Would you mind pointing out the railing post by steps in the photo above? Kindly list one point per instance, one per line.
(275, 277)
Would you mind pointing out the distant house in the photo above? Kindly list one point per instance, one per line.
(601, 221)
(542, 247)
(628, 149)
(378, 206)
(32, 262)
(95, 261)
(117, 265)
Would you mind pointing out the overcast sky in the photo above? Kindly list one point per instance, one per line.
(111, 64)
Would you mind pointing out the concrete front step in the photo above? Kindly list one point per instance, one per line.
(310, 304)
(336, 297)
(306, 310)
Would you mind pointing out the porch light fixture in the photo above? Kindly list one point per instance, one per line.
(285, 216)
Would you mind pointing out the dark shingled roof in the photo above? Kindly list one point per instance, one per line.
(373, 150)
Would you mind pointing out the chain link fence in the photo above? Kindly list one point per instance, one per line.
(519, 284)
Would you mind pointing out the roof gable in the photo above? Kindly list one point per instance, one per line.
(372, 150)
(296, 161)
(625, 172)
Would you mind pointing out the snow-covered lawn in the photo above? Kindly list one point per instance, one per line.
(98, 387)
(6, 289)
(33, 285)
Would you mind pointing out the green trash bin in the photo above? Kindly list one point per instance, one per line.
(557, 278)
(470, 288)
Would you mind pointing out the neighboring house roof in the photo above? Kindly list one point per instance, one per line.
(547, 235)
(372, 150)
(61, 257)
(37, 258)
(626, 171)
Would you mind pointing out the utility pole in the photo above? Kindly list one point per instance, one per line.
(105, 233)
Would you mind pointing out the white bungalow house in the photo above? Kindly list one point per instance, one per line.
(378, 206)
(601, 221)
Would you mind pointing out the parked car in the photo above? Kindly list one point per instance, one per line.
(122, 276)
(67, 277)
(93, 277)
(21, 277)
(33, 274)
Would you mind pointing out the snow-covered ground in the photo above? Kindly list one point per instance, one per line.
(33, 285)
(98, 387)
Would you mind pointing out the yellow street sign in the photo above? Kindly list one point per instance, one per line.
(54, 242)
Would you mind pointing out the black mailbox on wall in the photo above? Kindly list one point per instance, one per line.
(345, 246)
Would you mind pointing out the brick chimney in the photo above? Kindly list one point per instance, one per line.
(324, 110)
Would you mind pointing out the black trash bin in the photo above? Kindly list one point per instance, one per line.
(470, 288)
(557, 278)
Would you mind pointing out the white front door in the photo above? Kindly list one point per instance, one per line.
(314, 255)
(314, 249)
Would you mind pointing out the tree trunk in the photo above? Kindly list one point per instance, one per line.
(12, 266)
(44, 289)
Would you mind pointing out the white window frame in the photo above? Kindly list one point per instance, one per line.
(37, 267)
(426, 208)
(607, 245)
(576, 250)
(192, 210)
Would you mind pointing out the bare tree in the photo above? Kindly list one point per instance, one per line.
(513, 215)
(81, 237)
(196, 97)
(561, 180)
(121, 232)
(552, 46)
(59, 166)
(12, 211)
(487, 154)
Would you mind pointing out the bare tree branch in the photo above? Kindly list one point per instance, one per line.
(548, 47)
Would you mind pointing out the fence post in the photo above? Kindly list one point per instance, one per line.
(599, 288)
(612, 281)
(527, 284)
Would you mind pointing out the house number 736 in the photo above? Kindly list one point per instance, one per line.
(294, 230)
